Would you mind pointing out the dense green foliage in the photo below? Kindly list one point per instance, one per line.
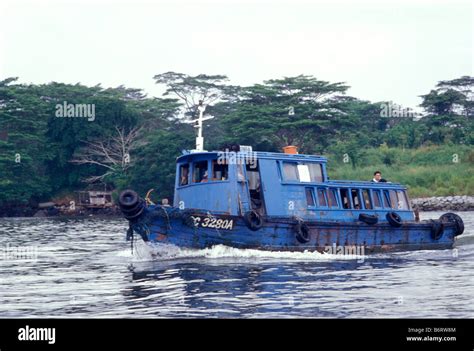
(43, 155)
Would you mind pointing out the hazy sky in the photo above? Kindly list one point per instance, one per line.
(383, 50)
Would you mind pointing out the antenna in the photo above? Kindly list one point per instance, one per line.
(199, 138)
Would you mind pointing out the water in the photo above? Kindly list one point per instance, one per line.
(84, 268)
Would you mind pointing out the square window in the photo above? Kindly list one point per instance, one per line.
(376, 197)
(303, 173)
(366, 196)
(184, 174)
(345, 199)
(316, 172)
(219, 171)
(322, 197)
(200, 174)
(290, 171)
(309, 196)
(332, 198)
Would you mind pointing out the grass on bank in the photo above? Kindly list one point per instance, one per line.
(427, 171)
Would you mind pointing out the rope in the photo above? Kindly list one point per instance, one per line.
(147, 197)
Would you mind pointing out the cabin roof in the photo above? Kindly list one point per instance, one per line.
(258, 154)
(361, 183)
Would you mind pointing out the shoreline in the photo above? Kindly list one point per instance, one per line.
(57, 212)
(425, 204)
(444, 203)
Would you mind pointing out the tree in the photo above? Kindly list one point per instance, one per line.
(113, 155)
(450, 110)
(442, 103)
(192, 90)
(300, 111)
(463, 85)
(24, 147)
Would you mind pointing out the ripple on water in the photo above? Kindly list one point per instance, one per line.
(84, 268)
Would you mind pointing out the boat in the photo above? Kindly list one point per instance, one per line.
(280, 202)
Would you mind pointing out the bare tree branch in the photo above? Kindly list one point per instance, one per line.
(112, 154)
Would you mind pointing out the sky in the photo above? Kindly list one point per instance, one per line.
(385, 51)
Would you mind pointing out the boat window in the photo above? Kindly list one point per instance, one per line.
(393, 199)
(366, 196)
(290, 171)
(322, 197)
(184, 174)
(303, 173)
(200, 174)
(240, 173)
(402, 200)
(345, 198)
(254, 179)
(376, 197)
(254, 186)
(386, 199)
(316, 172)
(309, 196)
(332, 198)
(355, 199)
(219, 171)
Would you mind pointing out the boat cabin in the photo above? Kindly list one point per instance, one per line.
(280, 185)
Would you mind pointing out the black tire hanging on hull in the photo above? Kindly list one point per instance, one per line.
(302, 232)
(453, 218)
(369, 219)
(128, 199)
(131, 205)
(253, 220)
(394, 219)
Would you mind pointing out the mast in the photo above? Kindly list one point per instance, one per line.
(199, 120)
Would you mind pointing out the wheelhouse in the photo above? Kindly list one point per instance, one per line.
(280, 185)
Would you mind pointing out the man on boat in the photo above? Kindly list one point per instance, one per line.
(204, 177)
(378, 177)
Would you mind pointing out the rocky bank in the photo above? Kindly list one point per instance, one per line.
(444, 203)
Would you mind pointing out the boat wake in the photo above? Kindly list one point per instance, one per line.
(150, 252)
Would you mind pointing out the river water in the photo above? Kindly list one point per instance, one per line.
(53, 267)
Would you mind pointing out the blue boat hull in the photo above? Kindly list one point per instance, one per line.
(168, 225)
